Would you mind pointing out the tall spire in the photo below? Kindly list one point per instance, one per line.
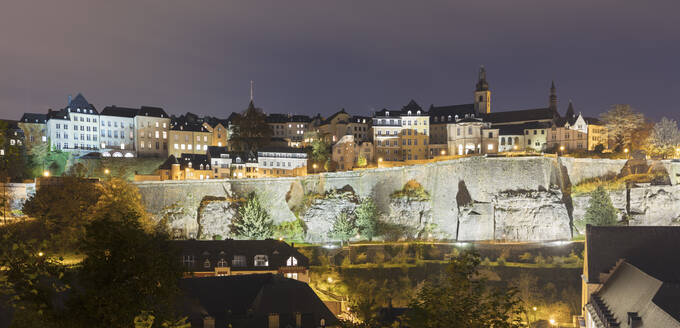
(570, 111)
(251, 90)
(482, 85)
(553, 97)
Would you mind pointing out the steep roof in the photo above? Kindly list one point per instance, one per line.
(521, 115)
(277, 252)
(649, 248)
(215, 151)
(330, 118)
(152, 111)
(57, 115)
(33, 118)
(167, 164)
(247, 300)
(413, 107)
(285, 118)
(593, 120)
(79, 102)
(181, 124)
(195, 159)
(383, 113)
(275, 149)
(119, 111)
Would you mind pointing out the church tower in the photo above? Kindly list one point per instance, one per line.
(553, 97)
(482, 94)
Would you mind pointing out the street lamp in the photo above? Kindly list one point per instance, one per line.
(46, 174)
(106, 171)
(625, 151)
(552, 322)
(443, 152)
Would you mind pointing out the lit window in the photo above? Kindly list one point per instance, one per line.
(239, 261)
(206, 264)
(261, 260)
(292, 275)
(188, 260)
(292, 261)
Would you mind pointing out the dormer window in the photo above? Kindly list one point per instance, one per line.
(239, 261)
(78, 110)
(222, 263)
(189, 164)
(206, 264)
(261, 260)
(387, 113)
(418, 112)
(292, 261)
(409, 113)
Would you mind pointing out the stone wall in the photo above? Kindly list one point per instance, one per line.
(473, 198)
(18, 193)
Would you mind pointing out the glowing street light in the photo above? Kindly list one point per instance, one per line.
(46, 174)
(41, 253)
(330, 280)
(443, 152)
(534, 308)
(106, 171)
(561, 148)
(625, 150)
(552, 322)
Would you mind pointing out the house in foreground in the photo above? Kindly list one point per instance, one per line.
(631, 277)
(258, 300)
(206, 258)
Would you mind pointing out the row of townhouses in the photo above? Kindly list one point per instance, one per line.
(411, 133)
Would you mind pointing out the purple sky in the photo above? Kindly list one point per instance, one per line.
(318, 56)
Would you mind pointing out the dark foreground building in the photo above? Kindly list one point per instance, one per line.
(631, 277)
(258, 300)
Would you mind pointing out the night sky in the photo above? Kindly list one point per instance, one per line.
(319, 56)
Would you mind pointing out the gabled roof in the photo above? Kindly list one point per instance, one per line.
(152, 111)
(649, 248)
(79, 102)
(330, 118)
(274, 149)
(119, 111)
(592, 120)
(215, 151)
(521, 115)
(179, 124)
(168, 163)
(277, 252)
(285, 118)
(413, 107)
(33, 118)
(509, 129)
(446, 114)
(247, 301)
(57, 115)
(383, 113)
(195, 159)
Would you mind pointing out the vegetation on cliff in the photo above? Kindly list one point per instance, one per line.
(253, 220)
(600, 210)
(412, 190)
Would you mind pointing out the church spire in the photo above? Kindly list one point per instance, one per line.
(482, 85)
(570, 111)
(251, 90)
(553, 97)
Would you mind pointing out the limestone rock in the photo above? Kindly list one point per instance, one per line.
(531, 216)
(320, 216)
(415, 216)
(215, 217)
(655, 205)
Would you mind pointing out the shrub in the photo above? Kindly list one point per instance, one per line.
(486, 262)
(526, 257)
(367, 218)
(540, 260)
(217, 237)
(294, 230)
(412, 190)
(501, 260)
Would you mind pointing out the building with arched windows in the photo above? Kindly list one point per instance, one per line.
(205, 258)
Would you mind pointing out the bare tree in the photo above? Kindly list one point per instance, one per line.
(664, 138)
(622, 121)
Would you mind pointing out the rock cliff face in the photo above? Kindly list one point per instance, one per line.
(473, 198)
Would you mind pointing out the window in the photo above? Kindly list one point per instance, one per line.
(206, 264)
(239, 261)
(292, 275)
(188, 260)
(292, 261)
(490, 135)
(261, 260)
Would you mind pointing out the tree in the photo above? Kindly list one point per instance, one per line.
(64, 209)
(367, 218)
(664, 138)
(126, 271)
(622, 121)
(29, 280)
(121, 197)
(253, 221)
(251, 130)
(344, 227)
(600, 210)
(320, 151)
(462, 299)
(361, 161)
